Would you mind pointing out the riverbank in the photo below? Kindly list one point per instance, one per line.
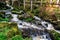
(10, 31)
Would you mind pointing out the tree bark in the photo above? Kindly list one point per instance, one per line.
(19, 3)
(31, 4)
(24, 3)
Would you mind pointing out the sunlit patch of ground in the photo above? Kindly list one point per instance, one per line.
(51, 9)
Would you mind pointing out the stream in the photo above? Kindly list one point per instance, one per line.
(26, 25)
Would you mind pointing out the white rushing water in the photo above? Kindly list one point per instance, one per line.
(9, 6)
(22, 24)
(47, 25)
(37, 18)
(41, 37)
(14, 19)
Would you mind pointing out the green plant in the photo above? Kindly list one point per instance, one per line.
(28, 19)
(17, 37)
(55, 35)
(3, 36)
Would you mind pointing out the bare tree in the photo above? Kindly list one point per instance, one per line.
(24, 3)
(31, 4)
(19, 3)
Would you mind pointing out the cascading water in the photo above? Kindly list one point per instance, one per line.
(22, 24)
(43, 36)
(14, 19)
(47, 25)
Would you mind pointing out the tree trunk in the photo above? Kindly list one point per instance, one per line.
(24, 3)
(19, 3)
(57, 1)
(31, 4)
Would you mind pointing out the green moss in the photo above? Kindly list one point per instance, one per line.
(3, 36)
(57, 15)
(28, 19)
(9, 31)
(55, 35)
(18, 37)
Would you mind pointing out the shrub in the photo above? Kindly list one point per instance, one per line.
(3, 36)
(55, 35)
(17, 37)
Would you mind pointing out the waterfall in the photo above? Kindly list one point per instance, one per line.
(7, 14)
(37, 18)
(26, 25)
(41, 37)
(45, 24)
(9, 6)
(14, 19)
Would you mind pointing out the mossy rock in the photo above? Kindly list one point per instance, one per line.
(54, 35)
